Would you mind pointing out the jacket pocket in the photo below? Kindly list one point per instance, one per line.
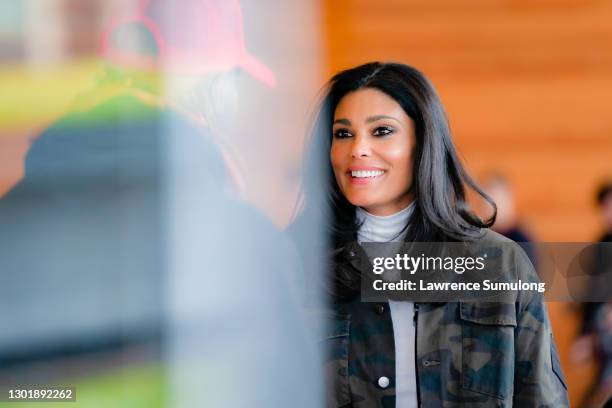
(555, 363)
(488, 348)
(334, 349)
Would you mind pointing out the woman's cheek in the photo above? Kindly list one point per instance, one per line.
(401, 169)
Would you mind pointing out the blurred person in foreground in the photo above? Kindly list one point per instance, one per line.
(130, 225)
(595, 337)
(123, 247)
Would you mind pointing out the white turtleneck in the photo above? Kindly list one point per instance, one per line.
(390, 228)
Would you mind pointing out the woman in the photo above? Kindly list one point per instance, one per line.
(394, 175)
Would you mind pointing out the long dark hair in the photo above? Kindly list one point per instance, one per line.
(441, 212)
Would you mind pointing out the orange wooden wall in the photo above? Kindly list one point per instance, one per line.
(527, 86)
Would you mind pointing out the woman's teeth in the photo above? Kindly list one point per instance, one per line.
(367, 173)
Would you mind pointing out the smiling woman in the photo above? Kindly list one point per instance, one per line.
(382, 167)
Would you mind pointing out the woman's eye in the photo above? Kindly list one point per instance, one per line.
(383, 131)
(341, 134)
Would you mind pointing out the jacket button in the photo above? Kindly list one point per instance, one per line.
(379, 308)
(383, 382)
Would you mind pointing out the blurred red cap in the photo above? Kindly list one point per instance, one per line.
(186, 36)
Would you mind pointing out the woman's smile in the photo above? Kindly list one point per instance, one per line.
(360, 175)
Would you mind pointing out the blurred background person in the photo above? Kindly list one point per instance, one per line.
(595, 336)
(507, 223)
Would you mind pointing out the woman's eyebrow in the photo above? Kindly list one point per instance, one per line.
(345, 122)
(379, 117)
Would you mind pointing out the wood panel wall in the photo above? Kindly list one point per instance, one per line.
(528, 88)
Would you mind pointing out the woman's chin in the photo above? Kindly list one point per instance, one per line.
(363, 202)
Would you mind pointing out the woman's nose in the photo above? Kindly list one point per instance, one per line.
(361, 147)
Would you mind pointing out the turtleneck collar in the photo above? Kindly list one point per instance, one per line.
(387, 228)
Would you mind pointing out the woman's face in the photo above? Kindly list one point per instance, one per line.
(372, 151)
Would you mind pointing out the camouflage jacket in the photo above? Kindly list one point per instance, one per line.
(468, 354)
